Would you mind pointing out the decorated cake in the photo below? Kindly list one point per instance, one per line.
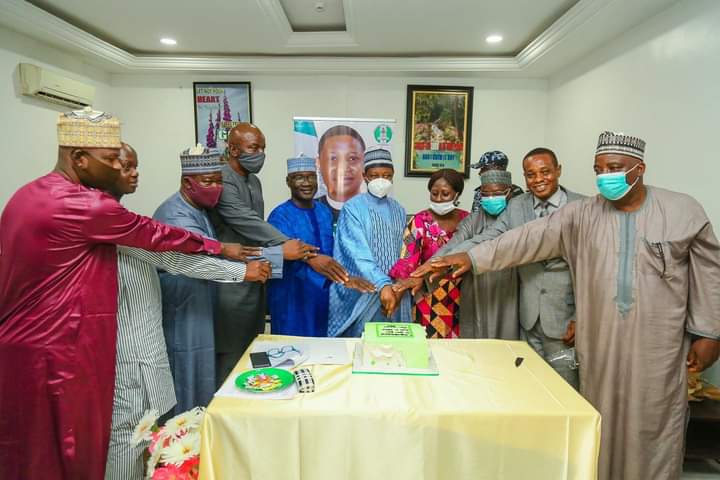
(395, 345)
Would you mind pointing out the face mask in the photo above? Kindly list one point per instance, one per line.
(99, 175)
(442, 208)
(494, 205)
(380, 187)
(614, 186)
(204, 197)
(252, 162)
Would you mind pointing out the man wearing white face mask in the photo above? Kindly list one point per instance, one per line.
(368, 243)
(646, 270)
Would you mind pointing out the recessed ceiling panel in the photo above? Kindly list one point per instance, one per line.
(315, 15)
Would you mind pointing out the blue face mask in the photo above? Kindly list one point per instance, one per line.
(614, 186)
(494, 205)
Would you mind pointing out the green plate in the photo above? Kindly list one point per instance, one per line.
(264, 380)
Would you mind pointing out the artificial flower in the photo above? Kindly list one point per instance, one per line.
(182, 449)
(169, 472)
(143, 430)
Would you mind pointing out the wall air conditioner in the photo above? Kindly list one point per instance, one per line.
(44, 84)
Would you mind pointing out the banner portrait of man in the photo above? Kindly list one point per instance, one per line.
(338, 146)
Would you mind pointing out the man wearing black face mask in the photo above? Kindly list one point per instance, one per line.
(58, 303)
(240, 215)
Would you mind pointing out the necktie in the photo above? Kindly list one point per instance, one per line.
(543, 209)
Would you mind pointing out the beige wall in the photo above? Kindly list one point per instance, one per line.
(27, 125)
(660, 81)
(157, 114)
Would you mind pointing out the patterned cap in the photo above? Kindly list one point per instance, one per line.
(378, 157)
(496, 177)
(613, 142)
(300, 164)
(198, 160)
(496, 159)
(88, 128)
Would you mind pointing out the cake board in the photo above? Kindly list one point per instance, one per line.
(359, 368)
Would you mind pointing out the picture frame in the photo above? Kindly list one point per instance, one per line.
(438, 129)
(218, 107)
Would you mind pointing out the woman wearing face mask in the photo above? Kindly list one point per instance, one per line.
(489, 306)
(426, 232)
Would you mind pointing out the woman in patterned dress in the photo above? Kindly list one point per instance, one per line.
(426, 232)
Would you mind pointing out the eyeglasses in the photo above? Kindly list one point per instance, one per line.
(279, 352)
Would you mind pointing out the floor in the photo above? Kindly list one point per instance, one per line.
(701, 470)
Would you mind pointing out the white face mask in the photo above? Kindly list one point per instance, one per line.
(443, 208)
(380, 187)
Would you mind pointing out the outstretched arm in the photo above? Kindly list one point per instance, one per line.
(193, 266)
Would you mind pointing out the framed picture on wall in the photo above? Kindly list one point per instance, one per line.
(218, 108)
(438, 129)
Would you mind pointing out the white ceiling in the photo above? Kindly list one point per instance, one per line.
(379, 27)
(445, 36)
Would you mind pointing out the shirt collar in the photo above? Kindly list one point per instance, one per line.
(555, 200)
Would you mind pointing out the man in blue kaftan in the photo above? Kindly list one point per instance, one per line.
(368, 243)
(188, 304)
(299, 300)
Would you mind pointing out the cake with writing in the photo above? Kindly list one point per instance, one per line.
(395, 345)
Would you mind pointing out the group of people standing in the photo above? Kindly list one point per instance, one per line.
(631, 273)
(105, 314)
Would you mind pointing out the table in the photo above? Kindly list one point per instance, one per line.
(481, 418)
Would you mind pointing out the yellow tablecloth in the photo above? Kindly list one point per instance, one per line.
(481, 418)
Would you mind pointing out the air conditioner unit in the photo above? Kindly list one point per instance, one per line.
(40, 83)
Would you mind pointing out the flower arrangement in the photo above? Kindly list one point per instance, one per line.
(173, 452)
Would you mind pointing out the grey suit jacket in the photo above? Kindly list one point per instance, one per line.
(546, 291)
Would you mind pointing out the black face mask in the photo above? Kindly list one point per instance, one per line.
(252, 162)
(98, 174)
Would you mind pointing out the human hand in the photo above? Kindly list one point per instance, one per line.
(298, 250)
(235, 251)
(569, 338)
(328, 267)
(458, 264)
(389, 300)
(257, 271)
(412, 284)
(423, 270)
(703, 353)
(359, 284)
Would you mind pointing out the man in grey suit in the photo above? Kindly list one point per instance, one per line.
(546, 305)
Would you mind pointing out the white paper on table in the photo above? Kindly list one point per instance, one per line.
(314, 351)
(326, 351)
(229, 389)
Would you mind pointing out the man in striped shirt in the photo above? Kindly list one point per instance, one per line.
(143, 379)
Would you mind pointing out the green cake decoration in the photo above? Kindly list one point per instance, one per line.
(395, 345)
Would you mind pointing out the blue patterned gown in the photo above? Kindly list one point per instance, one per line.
(368, 243)
(188, 305)
(299, 300)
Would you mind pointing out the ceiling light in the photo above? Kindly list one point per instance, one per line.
(493, 38)
(168, 41)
